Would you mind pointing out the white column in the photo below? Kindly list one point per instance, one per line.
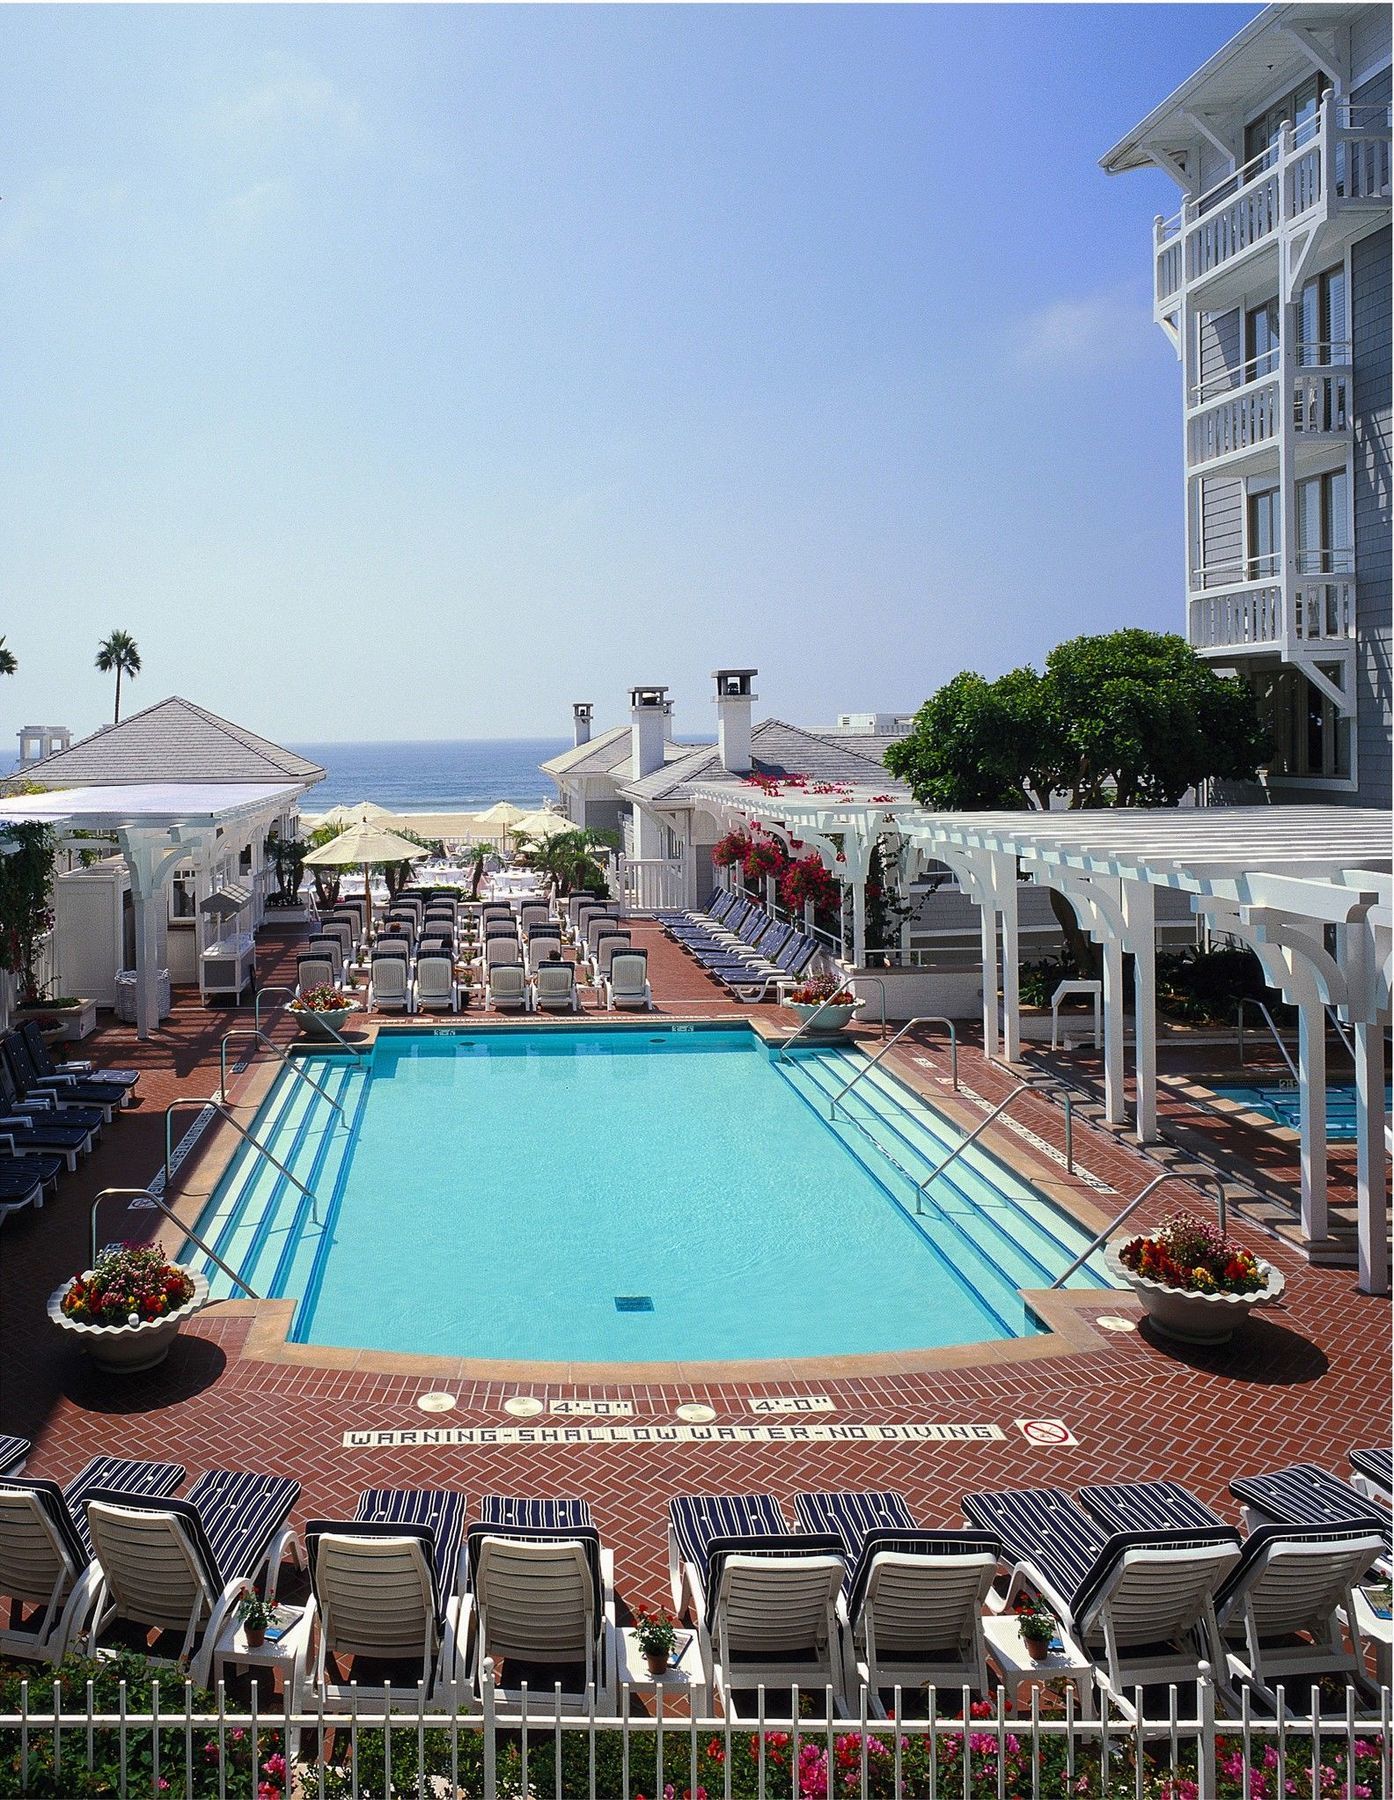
(988, 913)
(1371, 1159)
(1005, 886)
(859, 922)
(648, 836)
(1115, 1018)
(1311, 1094)
(1140, 919)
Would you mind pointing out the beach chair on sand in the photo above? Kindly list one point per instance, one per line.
(914, 1598)
(181, 1566)
(47, 1575)
(766, 1601)
(385, 1590)
(541, 1602)
(1141, 1604)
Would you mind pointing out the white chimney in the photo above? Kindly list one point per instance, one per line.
(734, 699)
(581, 719)
(649, 711)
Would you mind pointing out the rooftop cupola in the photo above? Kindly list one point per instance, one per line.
(735, 696)
(581, 714)
(650, 713)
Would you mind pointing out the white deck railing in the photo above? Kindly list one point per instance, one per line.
(648, 884)
(1268, 614)
(404, 1745)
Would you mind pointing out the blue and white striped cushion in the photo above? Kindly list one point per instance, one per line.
(511, 1512)
(1305, 1494)
(440, 1510)
(698, 1519)
(1147, 1506)
(1375, 1464)
(241, 1514)
(123, 1475)
(1042, 1526)
(881, 1524)
(13, 1451)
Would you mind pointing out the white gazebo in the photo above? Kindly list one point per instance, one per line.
(1308, 888)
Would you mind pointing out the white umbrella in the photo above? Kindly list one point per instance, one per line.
(366, 843)
(357, 814)
(503, 814)
(541, 824)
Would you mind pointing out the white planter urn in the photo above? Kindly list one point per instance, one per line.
(829, 1018)
(126, 1349)
(1194, 1318)
(322, 1024)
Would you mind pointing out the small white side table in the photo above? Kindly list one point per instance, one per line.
(1007, 1653)
(287, 1653)
(683, 1689)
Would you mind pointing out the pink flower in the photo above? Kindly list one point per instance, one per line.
(275, 1765)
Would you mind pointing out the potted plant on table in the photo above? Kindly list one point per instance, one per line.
(255, 1615)
(127, 1309)
(1196, 1284)
(321, 1011)
(829, 997)
(656, 1634)
(1038, 1625)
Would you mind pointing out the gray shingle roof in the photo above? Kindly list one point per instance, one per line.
(777, 748)
(608, 754)
(174, 740)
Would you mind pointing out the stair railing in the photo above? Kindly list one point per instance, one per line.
(296, 1069)
(193, 1237)
(328, 1029)
(1132, 1206)
(789, 1042)
(1267, 1016)
(909, 1025)
(962, 1145)
(225, 1113)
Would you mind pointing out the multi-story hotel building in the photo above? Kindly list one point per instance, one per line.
(1272, 282)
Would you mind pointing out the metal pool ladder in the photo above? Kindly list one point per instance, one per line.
(224, 1112)
(1132, 1206)
(909, 1025)
(168, 1211)
(296, 1069)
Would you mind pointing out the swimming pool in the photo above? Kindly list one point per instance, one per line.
(1280, 1101)
(637, 1195)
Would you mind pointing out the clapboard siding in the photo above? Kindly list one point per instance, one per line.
(1369, 43)
(1222, 527)
(1371, 336)
(1220, 348)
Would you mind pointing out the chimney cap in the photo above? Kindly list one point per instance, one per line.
(734, 683)
(582, 709)
(650, 699)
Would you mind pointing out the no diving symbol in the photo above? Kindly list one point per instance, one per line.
(1046, 1433)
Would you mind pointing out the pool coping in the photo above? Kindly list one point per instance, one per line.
(1067, 1328)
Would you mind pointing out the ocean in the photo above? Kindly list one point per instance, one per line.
(463, 775)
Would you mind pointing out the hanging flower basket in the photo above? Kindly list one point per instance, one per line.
(126, 1311)
(729, 850)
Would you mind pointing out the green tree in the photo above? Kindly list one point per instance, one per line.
(9, 662)
(119, 652)
(1130, 718)
(568, 858)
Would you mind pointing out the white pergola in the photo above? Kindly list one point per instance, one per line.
(1308, 888)
(157, 825)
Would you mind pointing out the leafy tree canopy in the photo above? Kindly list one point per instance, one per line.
(1129, 718)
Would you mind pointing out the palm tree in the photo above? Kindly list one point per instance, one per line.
(9, 662)
(119, 651)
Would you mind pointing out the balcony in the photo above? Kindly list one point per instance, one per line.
(1238, 427)
(1339, 159)
(1312, 611)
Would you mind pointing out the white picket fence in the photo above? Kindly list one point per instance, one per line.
(395, 1745)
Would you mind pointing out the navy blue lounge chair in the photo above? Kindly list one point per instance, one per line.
(23, 1179)
(914, 1597)
(762, 947)
(43, 1059)
(13, 1451)
(93, 1101)
(28, 1127)
(1305, 1494)
(43, 1076)
(440, 1512)
(1137, 1602)
(19, 1096)
(789, 965)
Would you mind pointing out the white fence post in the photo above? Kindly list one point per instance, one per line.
(491, 1771)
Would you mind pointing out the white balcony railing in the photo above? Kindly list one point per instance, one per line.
(648, 884)
(1243, 420)
(1339, 156)
(1271, 615)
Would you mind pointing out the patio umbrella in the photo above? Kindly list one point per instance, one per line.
(357, 813)
(542, 824)
(366, 843)
(503, 814)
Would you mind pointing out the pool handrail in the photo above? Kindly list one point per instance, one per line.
(1249, 1000)
(1026, 1087)
(324, 1025)
(909, 1025)
(224, 1112)
(789, 1042)
(1221, 1209)
(169, 1212)
(296, 1069)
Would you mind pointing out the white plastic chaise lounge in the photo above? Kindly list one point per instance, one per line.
(391, 986)
(49, 1073)
(182, 1565)
(627, 984)
(507, 988)
(766, 1601)
(1372, 1472)
(1140, 1604)
(46, 1562)
(436, 989)
(914, 1598)
(385, 1587)
(1281, 1609)
(1306, 1494)
(554, 988)
(541, 1601)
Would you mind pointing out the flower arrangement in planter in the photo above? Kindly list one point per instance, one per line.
(1195, 1283)
(1038, 1625)
(729, 850)
(127, 1308)
(656, 1634)
(829, 997)
(321, 1011)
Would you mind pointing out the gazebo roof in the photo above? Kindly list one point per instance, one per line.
(172, 741)
(145, 805)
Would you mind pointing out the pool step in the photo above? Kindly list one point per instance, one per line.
(896, 1136)
(262, 1226)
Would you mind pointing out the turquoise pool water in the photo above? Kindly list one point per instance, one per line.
(1279, 1100)
(595, 1195)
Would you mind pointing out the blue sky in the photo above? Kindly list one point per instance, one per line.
(413, 371)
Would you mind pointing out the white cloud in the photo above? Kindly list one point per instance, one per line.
(239, 216)
(291, 98)
(1099, 329)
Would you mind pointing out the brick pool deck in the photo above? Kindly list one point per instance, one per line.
(1309, 1379)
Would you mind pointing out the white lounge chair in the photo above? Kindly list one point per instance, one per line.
(627, 984)
(607, 946)
(554, 988)
(391, 984)
(436, 988)
(183, 1565)
(507, 987)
